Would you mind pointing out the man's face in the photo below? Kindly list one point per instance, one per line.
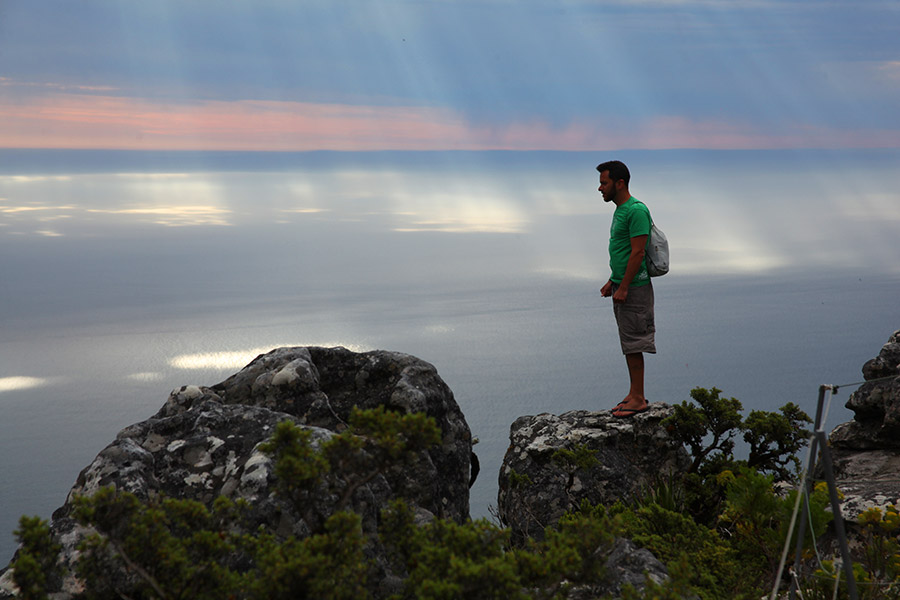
(607, 187)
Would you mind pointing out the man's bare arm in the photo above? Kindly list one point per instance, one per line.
(638, 248)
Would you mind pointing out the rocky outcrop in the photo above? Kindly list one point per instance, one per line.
(320, 386)
(554, 462)
(204, 442)
(866, 451)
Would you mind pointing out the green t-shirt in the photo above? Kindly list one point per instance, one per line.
(631, 219)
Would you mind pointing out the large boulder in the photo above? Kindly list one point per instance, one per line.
(554, 462)
(204, 443)
(321, 386)
(866, 450)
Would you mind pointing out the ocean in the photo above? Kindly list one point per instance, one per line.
(126, 275)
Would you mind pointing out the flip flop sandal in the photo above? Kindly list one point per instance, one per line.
(629, 412)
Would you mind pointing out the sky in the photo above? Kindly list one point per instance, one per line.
(582, 75)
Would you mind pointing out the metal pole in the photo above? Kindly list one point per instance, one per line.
(838, 519)
(801, 531)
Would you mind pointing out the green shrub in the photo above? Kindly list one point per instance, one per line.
(709, 429)
(712, 566)
(877, 575)
(330, 564)
(36, 561)
(757, 519)
(443, 559)
(775, 439)
(474, 560)
(172, 549)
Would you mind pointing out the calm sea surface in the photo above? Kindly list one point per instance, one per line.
(124, 278)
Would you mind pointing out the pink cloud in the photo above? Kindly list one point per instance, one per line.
(81, 121)
(112, 122)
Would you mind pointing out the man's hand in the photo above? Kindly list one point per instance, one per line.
(638, 245)
(606, 290)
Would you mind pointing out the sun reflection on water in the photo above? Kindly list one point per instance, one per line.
(236, 359)
(18, 383)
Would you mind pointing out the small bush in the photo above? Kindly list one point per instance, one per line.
(36, 561)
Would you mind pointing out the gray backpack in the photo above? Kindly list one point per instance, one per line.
(657, 253)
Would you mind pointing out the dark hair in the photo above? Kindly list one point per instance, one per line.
(617, 170)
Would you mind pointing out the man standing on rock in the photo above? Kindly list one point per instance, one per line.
(629, 284)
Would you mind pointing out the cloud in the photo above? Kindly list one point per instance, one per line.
(110, 122)
(888, 70)
(859, 82)
(82, 121)
(8, 82)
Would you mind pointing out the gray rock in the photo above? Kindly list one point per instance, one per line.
(876, 404)
(866, 451)
(887, 363)
(867, 479)
(536, 488)
(320, 387)
(626, 565)
(204, 442)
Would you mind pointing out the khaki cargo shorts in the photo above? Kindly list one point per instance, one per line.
(635, 318)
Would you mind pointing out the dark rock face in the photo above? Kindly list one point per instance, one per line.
(203, 443)
(887, 363)
(866, 451)
(538, 485)
(876, 404)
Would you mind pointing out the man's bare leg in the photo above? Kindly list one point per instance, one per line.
(635, 399)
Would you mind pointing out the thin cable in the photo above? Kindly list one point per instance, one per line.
(790, 533)
(812, 533)
(836, 387)
(837, 584)
(797, 584)
(868, 584)
(880, 480)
